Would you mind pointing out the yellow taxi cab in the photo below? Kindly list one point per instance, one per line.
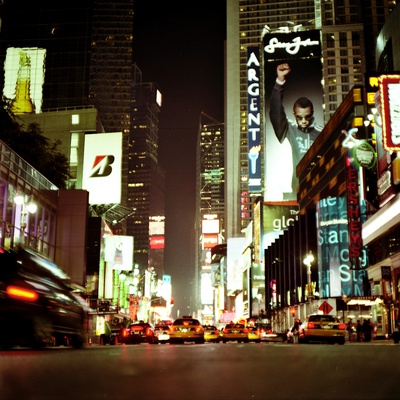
(322, 328)
(186, 329)
(211, 333)
(235, 332)
(254, 334)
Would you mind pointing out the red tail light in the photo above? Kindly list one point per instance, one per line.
(199, 329)
(342, 326)
(245, 330)
(216, 332)
(125, 332)
(226, 330)
(310, 325)
(21, 293)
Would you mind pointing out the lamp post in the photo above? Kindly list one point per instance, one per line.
(307, 261)
(26, 207)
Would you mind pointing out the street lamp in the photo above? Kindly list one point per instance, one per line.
(26, 207)
(307, 261)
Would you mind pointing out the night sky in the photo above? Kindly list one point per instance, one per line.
(180, 46)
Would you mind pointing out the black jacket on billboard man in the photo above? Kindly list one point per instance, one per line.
(300, 133)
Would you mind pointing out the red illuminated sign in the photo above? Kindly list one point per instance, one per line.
(157, 242)
(353, 211)
(210, 241)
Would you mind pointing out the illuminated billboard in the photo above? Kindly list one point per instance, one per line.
(157, 232)
(157, 242)
(277, 217)
(293, 101)
(210, 224)
(24, 70)
(235, 263)
(119, 252)
(102, 167)
(390, 105)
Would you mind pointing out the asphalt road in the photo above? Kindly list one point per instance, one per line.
(266, 371)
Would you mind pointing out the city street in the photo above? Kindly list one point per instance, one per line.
(213, 371)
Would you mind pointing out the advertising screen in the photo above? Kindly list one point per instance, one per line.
(293, 101)
(24, 70)
(102, 167)
(336, 274)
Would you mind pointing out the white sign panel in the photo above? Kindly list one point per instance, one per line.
(102, 167)
(235, 263)
(119, 252)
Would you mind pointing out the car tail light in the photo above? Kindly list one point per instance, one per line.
(148, 332)
(226, 330)
(342, 326)
(310, 325)
(216, 332)
(125, 332)
(21, 293)
(199, 329)
(245, 330)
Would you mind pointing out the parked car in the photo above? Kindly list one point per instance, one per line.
(322, 328)
(211, 333)
(254, 334)
(161, 331)
(114, 328)
(186, 329)
(139, 332)
(235, 332)
(38, 305)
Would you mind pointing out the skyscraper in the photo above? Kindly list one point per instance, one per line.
(347, 27)
(210, 190)
(89, 62)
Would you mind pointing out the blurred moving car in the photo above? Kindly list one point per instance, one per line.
(254, 334)
(211, 333)
(268, 335)
(235, 332)
(322, 328)
(161, 331)
(186, 329)
(38, 305)
(138, 332)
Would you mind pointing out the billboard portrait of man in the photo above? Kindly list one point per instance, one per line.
(293, 100)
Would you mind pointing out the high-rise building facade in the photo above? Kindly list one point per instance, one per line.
(146, 178)
(210, 201)
(348, 29)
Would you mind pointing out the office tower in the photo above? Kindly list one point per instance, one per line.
(348, 27)
(146, 178)
(210, 197)
(88, 63)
